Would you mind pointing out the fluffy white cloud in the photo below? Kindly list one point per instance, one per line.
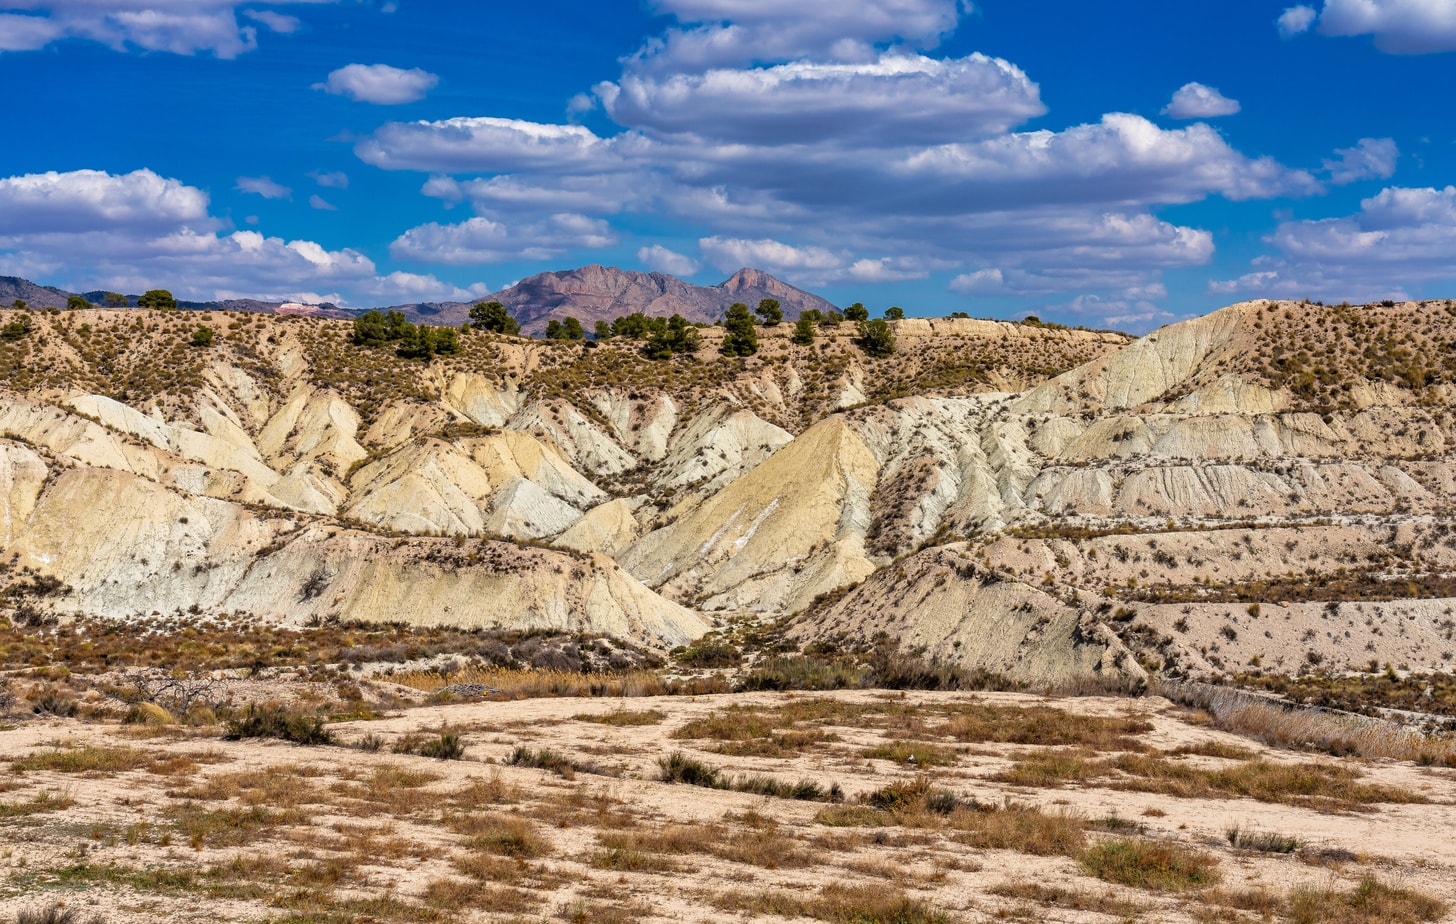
(1128, 312)
(1369, 158)
(1123, 158)
(263, 186)
(1196, 101)
(1400, 237)
(740, 31)
(183, 27)
(480, 240)
(140, 230)
(891, 101)
(278, 22)
(1403, 27)
(321, 204)
(336, 180)
(482, 145)
(729, 254)
(661, 260)
(425, 288)
(379, 83)
(806, 265)
(91, 200)
(1296, 20)
(592, 195)
(25, 33)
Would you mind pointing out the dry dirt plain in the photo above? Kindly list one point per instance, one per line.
(1014, 808)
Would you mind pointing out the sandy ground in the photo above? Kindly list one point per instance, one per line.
(395, 847)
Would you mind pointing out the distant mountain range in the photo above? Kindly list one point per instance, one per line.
(38, 296)
(599, 293)
(590, 294)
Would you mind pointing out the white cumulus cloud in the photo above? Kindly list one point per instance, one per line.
(729, 254)
(891, 101)
(719, 32)
(335, 180)
(379, 84)
(661, 260)
(263, 186)
(1401, 238)
(1296, 21)
(480, 240)
(1196, 101)
(184, 27)
(140, 230)
(321, 204)
(1402, 27)
(1370, 158)
(92, 200)
(482, 145)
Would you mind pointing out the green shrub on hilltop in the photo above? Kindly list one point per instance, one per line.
(742, 339)
(493, 317)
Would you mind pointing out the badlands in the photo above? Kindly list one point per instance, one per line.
(208, 546)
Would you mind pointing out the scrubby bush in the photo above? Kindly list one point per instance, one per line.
(570, 329)
(769, 312)
(741, 339)
(274, 721)
(493, 317)
(876, 338)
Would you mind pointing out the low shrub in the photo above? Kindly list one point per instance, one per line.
(543, 759)
(1266, 841)
(274, 721)
(1370, 902)
(1150, 865)
(445, 747)
(54, 913)
(677, 767)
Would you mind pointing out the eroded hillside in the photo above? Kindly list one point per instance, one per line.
(1265, 488)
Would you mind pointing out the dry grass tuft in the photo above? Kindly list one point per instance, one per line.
(1274, 724)
(623, 717)
(1150, 865)
(1069, 899)
(837, 904)
(1370, 902)
(502, 835)
(85, 759)
(910, 752)
(1025, 829)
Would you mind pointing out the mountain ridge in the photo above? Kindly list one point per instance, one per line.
(599, 293)
(590, 293)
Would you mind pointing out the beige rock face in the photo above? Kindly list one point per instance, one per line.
(22, 473)
(607, 528)
(149, 549)
(765, 540)
(940, 603)
(1018, 521)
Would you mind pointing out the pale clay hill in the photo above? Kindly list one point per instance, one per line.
(1267, 486)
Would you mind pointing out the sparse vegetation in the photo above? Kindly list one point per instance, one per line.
(1149, 865)
(270, 720)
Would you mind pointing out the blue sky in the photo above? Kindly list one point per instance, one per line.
(1112, 164)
